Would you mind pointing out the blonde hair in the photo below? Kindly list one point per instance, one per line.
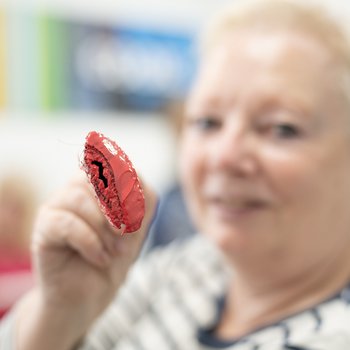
(269, 15)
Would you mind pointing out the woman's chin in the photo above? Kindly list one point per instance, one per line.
(229, 241)
(235, 242)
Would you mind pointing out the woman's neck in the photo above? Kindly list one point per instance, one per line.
(263, 296)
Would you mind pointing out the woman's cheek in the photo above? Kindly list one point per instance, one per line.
(188, 160)
(191, 174)
(289, 173)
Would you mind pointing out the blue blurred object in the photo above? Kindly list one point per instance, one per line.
(128, 68)
(172, 221)
(74, 65)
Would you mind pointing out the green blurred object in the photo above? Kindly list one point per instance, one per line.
(54, 75)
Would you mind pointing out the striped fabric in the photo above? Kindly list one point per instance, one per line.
(172, 299)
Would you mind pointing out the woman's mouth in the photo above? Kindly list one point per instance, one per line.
(231, 210)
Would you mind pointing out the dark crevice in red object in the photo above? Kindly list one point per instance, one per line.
(100, 172)
(115, 181)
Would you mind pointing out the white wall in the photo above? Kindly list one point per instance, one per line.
(178, 13)
(49, 151)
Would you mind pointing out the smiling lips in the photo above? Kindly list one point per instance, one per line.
(237, 211)
(240, 206)
(233, 205)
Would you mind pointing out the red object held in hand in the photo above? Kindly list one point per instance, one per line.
(115, 181)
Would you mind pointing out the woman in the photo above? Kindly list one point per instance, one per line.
(265, 161)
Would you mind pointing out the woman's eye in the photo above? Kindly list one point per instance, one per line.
(206, 123)
(286, 131)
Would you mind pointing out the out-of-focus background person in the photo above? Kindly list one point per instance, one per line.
(18, 201)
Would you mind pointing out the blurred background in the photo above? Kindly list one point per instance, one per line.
(68, 67)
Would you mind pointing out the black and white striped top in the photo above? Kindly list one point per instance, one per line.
(173, 299)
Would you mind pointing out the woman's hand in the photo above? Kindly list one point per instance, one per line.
(80, 259)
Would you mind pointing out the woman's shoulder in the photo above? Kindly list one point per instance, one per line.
(332, 324)
(325, 326)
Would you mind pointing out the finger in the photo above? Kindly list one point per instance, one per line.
(79, 199)
(58, 228)
(131, 243)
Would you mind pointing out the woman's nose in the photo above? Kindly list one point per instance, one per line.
(234, 151)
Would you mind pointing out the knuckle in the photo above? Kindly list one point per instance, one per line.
(38, 245)
(64, 222)
(43, 229)
(51, 222)
(79, 197)
(90, 241)
(87, 208)
(42, 219)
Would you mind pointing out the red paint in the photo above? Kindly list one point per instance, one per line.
(115, 181)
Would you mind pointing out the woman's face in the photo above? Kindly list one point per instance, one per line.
(265, 156)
